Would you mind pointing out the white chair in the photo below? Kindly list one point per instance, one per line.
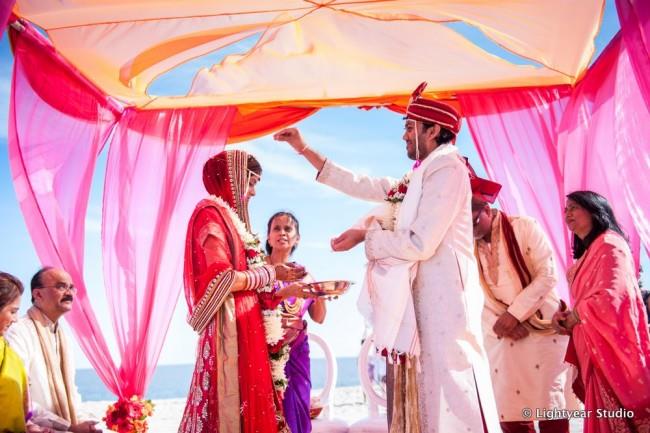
(325, 423)
(375, 422)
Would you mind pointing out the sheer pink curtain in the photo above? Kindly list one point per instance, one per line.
(543, 143)
(153, 181)
(603, 141)
(634, 16)
(515, 135)
(58, 124)
(5, 12)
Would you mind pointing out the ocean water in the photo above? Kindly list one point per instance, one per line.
(173, 381)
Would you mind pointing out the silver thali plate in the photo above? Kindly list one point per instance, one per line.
(328, 289)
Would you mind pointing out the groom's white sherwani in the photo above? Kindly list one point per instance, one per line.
(447, 296)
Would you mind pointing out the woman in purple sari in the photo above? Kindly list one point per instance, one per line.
(283, 236)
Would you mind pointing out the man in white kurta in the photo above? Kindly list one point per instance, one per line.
(454, 390)
(39, 341)
(526, 356)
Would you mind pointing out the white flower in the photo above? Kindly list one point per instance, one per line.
(278, 363)
(273, 326)
(268, 288)
(277, 371)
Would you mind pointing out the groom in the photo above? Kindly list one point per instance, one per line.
(454, 392)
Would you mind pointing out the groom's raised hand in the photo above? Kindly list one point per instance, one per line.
(295, 140)
(348, 239)
(291, 136)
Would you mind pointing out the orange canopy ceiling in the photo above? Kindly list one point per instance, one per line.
(317, 53)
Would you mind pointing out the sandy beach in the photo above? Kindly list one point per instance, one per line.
(348, 404)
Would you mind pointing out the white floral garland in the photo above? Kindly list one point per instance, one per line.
(273, 330)
(394, 198)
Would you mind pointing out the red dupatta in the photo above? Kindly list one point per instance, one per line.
(232, 390)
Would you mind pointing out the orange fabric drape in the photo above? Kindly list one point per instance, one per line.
(248, 125)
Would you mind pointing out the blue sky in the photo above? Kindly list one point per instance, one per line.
(365, 141)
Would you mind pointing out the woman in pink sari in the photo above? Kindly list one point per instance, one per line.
(609, 342)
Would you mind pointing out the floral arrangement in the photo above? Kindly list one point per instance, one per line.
(394, 197)
(279, 361)
(397, 193)
(129, 415)
(271, 311)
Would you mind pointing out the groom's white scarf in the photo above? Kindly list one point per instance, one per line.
(386, 299)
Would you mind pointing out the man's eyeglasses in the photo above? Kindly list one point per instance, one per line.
(476, 219)
(61, 287)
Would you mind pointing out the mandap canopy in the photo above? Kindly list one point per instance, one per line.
(543, 128)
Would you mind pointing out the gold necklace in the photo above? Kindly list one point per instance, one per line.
(294, 308)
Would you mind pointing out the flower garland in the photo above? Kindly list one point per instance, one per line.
(394, 197)
(397, 193)
(272, 317)
(129, 415)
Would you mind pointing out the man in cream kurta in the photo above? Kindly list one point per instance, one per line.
(41, 344)
(526, 356)
(446, 294)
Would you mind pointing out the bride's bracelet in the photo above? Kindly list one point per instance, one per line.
(259, 277)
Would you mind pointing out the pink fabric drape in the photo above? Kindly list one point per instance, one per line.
(603, 141)
(5, 12)
(52, 156)
(543, 143)
(153, 180)
(58, 125)
(515, 134)
(634, 16)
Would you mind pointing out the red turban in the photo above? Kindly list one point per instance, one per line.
(482, 189)
(432, 111)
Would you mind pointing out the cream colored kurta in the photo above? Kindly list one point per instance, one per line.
(23, 339)
(529, 373)
(446, 293)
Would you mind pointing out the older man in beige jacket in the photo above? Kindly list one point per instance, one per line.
(529, 376)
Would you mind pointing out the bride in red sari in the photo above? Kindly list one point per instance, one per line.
(232, 388)
(609, 342)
